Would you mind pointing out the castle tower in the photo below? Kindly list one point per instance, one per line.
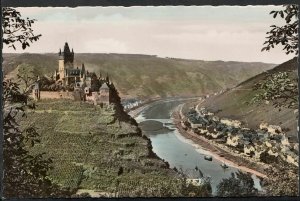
(36, 91)
(65, 61)
(68, 55)
(104, 94)
(82, 75)
(61, 65)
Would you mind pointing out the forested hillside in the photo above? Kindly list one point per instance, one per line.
(145, 75)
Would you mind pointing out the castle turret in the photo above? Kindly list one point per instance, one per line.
(82, 69)
(68, 55)
(61, 65)
(36, 91)
(65, 61)
(104, 94)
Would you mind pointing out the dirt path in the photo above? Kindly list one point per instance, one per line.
(221, 153)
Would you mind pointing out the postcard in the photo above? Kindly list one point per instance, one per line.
(150, 101)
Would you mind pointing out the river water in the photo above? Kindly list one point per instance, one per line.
(180, 152)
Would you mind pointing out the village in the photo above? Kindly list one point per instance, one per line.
(268, 141)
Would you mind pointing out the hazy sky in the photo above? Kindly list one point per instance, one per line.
(204, 32)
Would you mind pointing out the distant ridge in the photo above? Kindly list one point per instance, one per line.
(138, 75)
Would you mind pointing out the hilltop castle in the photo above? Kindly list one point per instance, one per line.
(84, 85)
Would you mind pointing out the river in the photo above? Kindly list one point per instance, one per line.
(178, 151)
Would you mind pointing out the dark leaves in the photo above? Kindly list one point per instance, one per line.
(281, 89)
(16, 29)
(239, 184)
(25, 173)
(286, 35)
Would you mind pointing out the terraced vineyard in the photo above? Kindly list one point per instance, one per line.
(93, 150)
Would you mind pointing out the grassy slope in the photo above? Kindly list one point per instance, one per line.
(233, 104)
(143, 75)
(89, 147)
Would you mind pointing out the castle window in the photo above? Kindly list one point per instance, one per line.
(86, 90)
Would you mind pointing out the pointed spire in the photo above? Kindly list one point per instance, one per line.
(66, 48)
(82, 68)
(107, 78)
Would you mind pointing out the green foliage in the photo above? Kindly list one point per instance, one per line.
(239, 184)
(286, 35)
(90, 155)
(280, 88)
(282, 182)
(115, 99)
(26, 77)
(25, 174)
(197, 191)
(16, 29)
(154, 187)
(79, 120)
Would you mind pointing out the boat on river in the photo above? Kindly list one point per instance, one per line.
(223, 165)
(208, 158)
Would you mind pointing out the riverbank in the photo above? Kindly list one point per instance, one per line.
(135, 111)
(220, 152)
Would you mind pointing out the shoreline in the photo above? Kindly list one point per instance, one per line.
(134, 112)
(218, 152)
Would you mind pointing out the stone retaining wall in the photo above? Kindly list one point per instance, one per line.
(56, 95)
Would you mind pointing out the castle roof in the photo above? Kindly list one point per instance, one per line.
(66, 48)
(104, 86)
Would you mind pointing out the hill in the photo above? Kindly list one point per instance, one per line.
(234, 103)
(146, 75)
(94, 152)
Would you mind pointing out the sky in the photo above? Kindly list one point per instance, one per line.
(229, 33)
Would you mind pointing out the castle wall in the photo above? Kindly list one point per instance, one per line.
(78, 95)
(98, 98)
(56, 95)
(92, 97)
(104, 97)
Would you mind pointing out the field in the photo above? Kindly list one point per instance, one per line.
(92, 150)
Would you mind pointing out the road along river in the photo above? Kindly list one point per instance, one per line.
(156, 122)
